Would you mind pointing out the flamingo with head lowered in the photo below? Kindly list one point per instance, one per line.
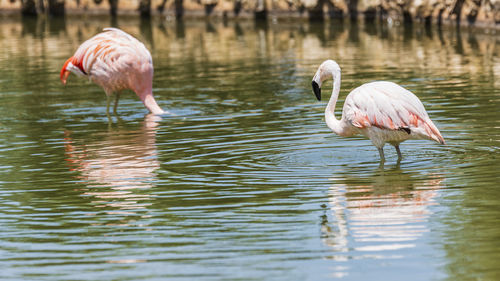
(115, 61)
(382, 111)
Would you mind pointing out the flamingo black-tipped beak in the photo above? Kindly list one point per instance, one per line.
(316, 90)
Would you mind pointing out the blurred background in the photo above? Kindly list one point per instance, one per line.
(244, 180)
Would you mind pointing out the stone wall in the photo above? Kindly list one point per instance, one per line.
(472, 12)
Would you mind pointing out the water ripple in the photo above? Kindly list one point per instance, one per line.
(244, 180)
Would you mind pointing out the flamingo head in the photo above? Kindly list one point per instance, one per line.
(328, 68)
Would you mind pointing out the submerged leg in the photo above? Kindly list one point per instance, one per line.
(117, 97)
(381, 152)
(108, 101)
(399, 152)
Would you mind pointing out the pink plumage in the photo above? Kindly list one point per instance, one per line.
(115, 61)
(382, 111)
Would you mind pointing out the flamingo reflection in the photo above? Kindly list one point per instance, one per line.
(117, 168)
(384, 212)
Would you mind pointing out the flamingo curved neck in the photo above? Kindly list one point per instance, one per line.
(333, 123)
(150, 103)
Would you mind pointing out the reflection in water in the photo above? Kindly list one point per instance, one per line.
(240, 175)
(377, 46)
(375, 215)
(117, 168)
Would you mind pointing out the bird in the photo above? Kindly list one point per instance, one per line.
(115, 60)
(382, 111)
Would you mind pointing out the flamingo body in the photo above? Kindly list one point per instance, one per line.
(382, 111)
(115, 61)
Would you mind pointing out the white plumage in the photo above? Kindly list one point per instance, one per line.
(382, 111)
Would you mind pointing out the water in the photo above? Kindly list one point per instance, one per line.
(244, 181)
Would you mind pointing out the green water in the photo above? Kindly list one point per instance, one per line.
(244, 180)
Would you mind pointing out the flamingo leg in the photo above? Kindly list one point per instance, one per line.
(117, 97)
(108, 101)
(381, 152)
(400, 156)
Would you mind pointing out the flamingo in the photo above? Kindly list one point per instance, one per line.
(115, 61)
(382, 111)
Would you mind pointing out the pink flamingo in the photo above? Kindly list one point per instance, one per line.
(382, 111)
(115, 61)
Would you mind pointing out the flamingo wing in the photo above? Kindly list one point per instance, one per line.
(389, 106)
(105, 54)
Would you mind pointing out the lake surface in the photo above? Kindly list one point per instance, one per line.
(244, 180)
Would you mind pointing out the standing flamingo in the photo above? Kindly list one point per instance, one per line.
(382, 111)
(115, 61)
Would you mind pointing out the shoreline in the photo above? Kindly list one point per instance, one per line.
(223, 12)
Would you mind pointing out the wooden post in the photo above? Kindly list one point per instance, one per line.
(179, 9)
(28, 8)
(145, 8)
(113, 8)
(56, 8)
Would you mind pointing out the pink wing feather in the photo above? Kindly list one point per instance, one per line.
(115, 61)
(105, 56)
(388, 106)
